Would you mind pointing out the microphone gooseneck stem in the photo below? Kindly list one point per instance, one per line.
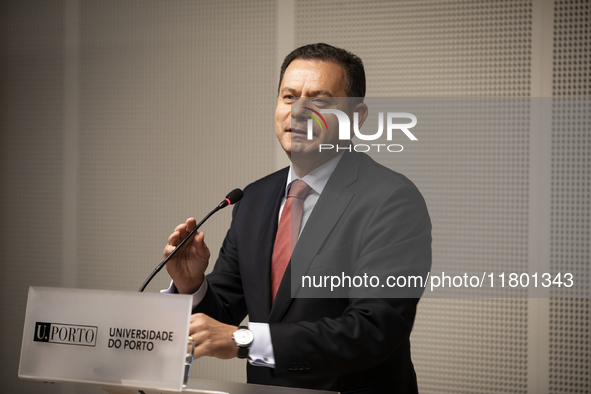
(180, 245)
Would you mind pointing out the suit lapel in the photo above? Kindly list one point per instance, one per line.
(264, 233)
(330, 206)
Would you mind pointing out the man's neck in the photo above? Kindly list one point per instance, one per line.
(318, 177)
(302, 166)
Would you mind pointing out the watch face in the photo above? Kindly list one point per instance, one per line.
(243, 337)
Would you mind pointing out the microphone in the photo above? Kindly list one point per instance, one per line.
(232, 198)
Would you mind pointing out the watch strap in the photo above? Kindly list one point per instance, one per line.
(243, 352)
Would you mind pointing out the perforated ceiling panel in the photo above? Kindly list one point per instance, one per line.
(572, 54)
(570, 320)
(428, 48)
(474, 178)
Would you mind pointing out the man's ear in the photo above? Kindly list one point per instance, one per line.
(362, 110)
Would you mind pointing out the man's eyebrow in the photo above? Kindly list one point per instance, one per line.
(287, 90)
(320, 93)
(313, 93)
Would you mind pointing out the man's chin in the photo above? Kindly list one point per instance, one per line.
(304, 147)
(310, 155)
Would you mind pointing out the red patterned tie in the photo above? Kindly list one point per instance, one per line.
(287, 233)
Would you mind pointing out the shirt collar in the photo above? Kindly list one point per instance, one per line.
(317, 178)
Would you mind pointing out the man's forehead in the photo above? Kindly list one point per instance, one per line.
(316, 77)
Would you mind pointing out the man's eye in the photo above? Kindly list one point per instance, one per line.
(320, 101)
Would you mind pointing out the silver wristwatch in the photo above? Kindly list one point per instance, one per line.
(243, 338)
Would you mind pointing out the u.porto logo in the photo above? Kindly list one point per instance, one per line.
(65, 334)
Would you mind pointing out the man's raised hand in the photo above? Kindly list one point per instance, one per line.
(187, 267)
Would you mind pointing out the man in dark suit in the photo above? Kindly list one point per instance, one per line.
(354, 216)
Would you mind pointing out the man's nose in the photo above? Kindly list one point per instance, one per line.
(297, 108)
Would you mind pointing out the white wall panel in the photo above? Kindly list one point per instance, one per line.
(31, 101)
(570, 242)
(176, 110)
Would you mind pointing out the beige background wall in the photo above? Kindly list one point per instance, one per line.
(120, 118)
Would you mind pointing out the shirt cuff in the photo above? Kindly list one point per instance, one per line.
(197, 296)
(261, 350)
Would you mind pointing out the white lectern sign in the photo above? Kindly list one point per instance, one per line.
(112, 338)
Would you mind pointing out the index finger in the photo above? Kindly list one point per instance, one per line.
(191, 223)
(185, 228)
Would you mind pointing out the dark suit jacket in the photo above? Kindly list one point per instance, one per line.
(366, 212)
